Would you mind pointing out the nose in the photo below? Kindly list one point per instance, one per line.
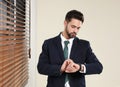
(76, 30)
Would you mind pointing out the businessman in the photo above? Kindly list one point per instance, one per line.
(66, 59)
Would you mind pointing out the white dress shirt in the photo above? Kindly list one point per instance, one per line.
(69, 45)
(69, 50)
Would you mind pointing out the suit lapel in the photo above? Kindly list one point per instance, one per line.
(74, 48)
(59, 47)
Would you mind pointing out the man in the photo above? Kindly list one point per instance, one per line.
(65, 58)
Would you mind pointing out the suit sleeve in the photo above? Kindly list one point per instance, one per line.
(44, 66)
(93, 65)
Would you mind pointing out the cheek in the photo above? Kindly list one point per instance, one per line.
(69, 29)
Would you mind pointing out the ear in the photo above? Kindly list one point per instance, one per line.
(65, 23)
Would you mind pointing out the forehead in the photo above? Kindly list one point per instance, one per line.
(75, 22)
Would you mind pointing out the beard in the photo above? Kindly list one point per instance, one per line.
(70, 35)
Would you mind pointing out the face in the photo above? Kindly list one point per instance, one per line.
(72, 28)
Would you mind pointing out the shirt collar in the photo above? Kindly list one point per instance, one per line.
(64, 39)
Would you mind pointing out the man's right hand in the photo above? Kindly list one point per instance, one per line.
(65, 64)
(69, 66)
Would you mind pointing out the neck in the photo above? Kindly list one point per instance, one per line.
(65, 35)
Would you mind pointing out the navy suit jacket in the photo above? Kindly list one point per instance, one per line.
(52, 57)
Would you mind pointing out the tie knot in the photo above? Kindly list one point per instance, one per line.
(66, 42)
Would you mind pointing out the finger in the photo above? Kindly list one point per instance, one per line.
(70, 71)
(69, 61)
(64, 65)
(70, 67)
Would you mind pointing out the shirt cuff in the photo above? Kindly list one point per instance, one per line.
(83, 69)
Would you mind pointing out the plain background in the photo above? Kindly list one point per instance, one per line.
(101, 28)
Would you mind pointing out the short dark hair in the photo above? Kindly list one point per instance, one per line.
(74, 14)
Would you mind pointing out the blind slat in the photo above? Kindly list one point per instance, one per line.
(12, 9)
(14, 5)
(10, 18)
(12, 14)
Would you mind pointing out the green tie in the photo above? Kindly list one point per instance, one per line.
(66, 56)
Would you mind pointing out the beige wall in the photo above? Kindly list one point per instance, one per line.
(101, 28)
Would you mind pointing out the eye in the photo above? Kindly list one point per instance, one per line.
(78, 28)
(73, 26)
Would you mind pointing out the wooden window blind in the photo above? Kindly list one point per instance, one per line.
(14, 42)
